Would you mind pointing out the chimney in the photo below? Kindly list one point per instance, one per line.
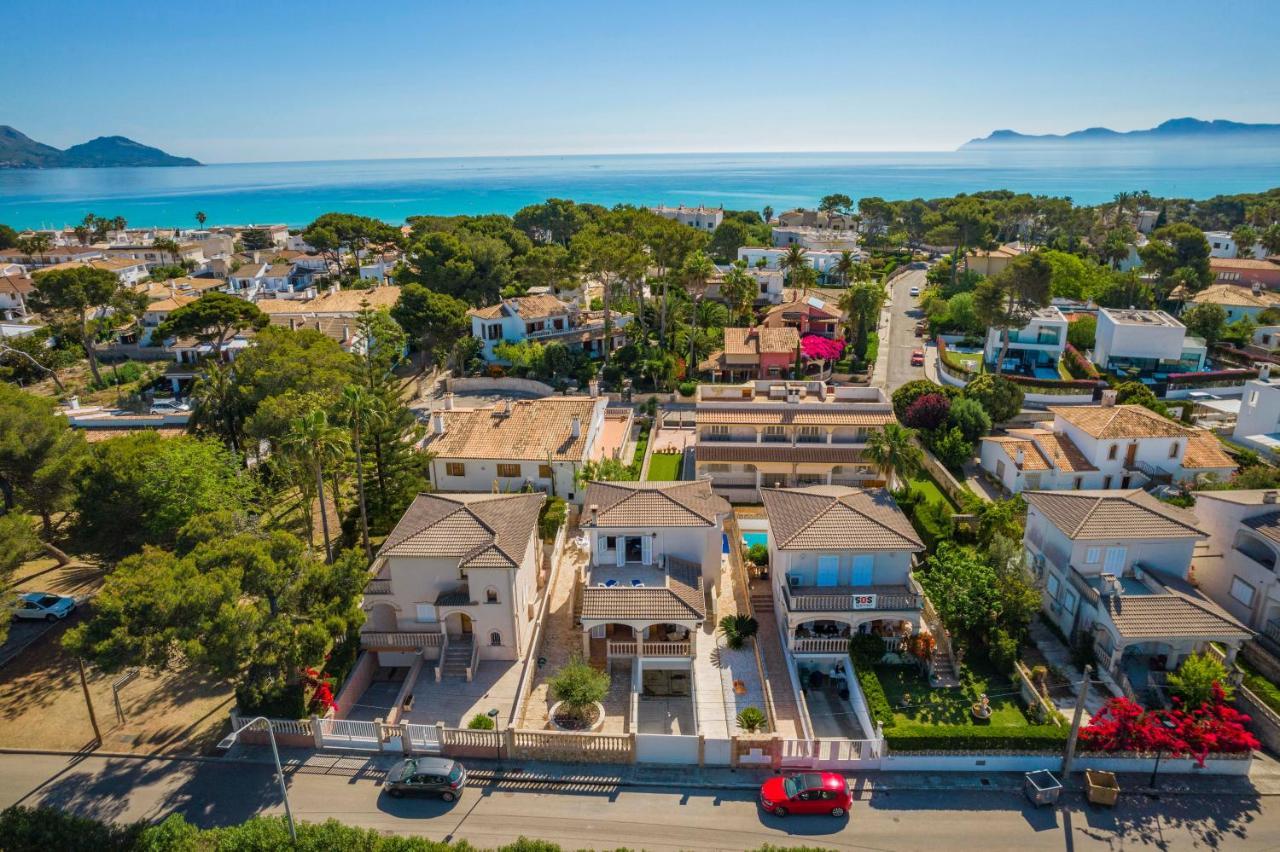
(506, 406)
(74, 404)
(595, 511)
(1264, 372)
(448, 401)
(593, 388)
(1108, 398)
(575, 427)
(437, 423)
(1268, 497)
(346, 331)
(1020, 456)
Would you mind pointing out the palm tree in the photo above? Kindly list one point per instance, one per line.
(795, 258)
(696, 272)
(1121, 209)
(354, 410)
(164, 244)
(216, 403)
(861, 303)
(314, 445)
(738, 289)
(201, 218)
(894, 452)
(844, 267)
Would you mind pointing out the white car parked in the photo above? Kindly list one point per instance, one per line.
(915, 291)
(43, 606)
(169, 406)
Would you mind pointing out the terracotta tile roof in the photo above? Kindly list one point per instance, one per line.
(283, 306)
(652, 504)
(1032, 458)
(1053, 450)
(792, 302)
(1174, 614)
(534, 430)
(1113, 514)
(16, 285)
(172, 303)
(1232, 295)
(759, 341)
(484, 530)
(682, 599)
(815, 415)
(832, 517)
(349, 301)
(1266, 525)
(1204, 452)
(1120, 421)
(526, 307)
(801, 453)
(1242, 263)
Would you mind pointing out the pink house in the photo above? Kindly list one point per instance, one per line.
(754, 353)
(810, 315)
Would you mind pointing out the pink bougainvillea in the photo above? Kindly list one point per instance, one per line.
(813, 346)
(322, 698)
(1215, 728)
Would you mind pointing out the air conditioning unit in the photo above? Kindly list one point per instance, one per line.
(793, 581)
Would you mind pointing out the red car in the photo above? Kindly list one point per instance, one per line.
(917, 357)
(806, 793)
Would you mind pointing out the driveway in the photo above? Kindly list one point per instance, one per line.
(903, 314)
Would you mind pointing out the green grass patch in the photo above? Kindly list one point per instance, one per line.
(931, 707)
(1259, 685)
(664, 467)
(928, 489)
(971, 361)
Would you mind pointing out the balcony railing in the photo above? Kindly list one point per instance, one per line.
(850, 598)
(650, 649)
(400, 640)
(820, 646)
(378, 587)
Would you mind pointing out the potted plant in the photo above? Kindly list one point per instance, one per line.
(752, 720)
(579, 690)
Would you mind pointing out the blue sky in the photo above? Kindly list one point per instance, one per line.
(231, 81)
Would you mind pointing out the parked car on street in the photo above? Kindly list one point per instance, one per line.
(917, 357)
(806, 793)
(914, 291)
(169, 406)
(921, 328)
(432, 776)
(43, 606)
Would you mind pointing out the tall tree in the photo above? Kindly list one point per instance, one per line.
(739, 291)
(795, 258)
(1008, 300)
(83, 304)
(610, 259)
(314, 446)
(836, 202)
(894, 451)
(436, 321)
(1179, 249)
(353, 410)
(213, 318)
(40, 456)
(201, 218)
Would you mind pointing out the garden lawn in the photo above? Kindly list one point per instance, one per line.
(1267, 691)
(925, 486)
(664, 467)
(931, 706)
(971, 361)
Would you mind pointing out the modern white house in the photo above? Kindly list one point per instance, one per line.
(700, 217)
(543, 318)
(1145, 343)
(1105, 446)
(786, 434)
(1258, 421)
(456, 582)
(1035, 349)
(1222, 244)
(14, 291)
(1114, 569)
(1236, 566)
(510, 445)
(766, 257)
(840, 563)
(809, 237)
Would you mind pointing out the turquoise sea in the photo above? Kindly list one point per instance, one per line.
(295, 193)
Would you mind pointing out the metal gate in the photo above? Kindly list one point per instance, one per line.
(345, 733)
(831, 754)
(425, 738)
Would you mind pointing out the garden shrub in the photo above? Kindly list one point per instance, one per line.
(865, 650)
(758, 554)
(752, 719)
(688, 388)
(288, 702)
(737, 629)
(909, 736)
(551, 518)
(481, 722)
(1003, 650)
(873, 691)
(1195, 679)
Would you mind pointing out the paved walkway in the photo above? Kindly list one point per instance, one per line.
(561, 641)
(786, 708)
(1059, 656)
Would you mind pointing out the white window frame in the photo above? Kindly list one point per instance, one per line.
(1092, 555)
(1052, 586)
(1115, 565)
(1237, 583)
(425, 613)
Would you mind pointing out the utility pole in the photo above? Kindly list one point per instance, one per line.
(88, 702)
(1070, 754)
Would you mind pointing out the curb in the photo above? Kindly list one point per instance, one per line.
(868, 785)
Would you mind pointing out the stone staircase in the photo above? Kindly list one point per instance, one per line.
(457, 657)
(762, 601)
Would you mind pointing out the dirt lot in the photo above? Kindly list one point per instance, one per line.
(42, 704)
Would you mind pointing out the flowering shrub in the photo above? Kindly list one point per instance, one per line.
(813, 346)
(1078, 365)
(322, 698)
(928, 412)
(1213, 728)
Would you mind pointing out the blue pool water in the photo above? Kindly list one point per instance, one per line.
(752, 538)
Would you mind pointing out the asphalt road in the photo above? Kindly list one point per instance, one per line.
(639, 818)
(903, 314)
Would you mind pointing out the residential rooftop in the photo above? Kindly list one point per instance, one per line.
(835, 517)
(528, 430)
(1120, 421)
(1112, 514)
(483, 530)
(1133, 316)
(652, 504)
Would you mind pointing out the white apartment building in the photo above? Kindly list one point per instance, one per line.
(1258, 423)
(1222, 244)
(544, 318)
(823, 239)
(700, 217)
(1105, 446)
(1237, 565)
(1036, 346)
(1147, 341)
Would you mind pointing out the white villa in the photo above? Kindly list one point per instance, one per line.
(1258, 422)
(1114, 567)
(1236, 567)
(822, 260)
(1236, 301)
(824, 239)
(541, 443)
(456, 583)
(1102, 447)
(700, 217)
(1145, 342)
(1035, 349)
(544, 318)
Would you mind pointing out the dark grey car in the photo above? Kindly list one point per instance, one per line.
(432, 776)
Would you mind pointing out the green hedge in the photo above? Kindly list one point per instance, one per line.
(551, 518)
(877, 702)
(1259, 685)
(915, 737)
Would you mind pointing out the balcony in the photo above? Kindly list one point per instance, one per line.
(400, 640)
(852, 598)
(650, 649)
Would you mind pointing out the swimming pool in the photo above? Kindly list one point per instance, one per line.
(751, 538)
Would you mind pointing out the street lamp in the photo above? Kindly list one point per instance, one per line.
(1170, 725)
(275, 754)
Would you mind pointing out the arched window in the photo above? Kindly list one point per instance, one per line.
(491, 595)
(495, 638)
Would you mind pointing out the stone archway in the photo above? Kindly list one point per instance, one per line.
(458, 625)
(381, 619)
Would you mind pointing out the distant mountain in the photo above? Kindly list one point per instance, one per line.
(1172, 132)
(19, 151)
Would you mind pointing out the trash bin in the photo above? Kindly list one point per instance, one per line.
(1101, 788)
(1042, 788)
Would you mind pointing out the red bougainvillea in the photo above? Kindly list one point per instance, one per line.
(1215, 728)
(927, 412)
(813, 346)
(322, 698)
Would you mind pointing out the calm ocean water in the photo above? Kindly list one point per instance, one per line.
(295, 193)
